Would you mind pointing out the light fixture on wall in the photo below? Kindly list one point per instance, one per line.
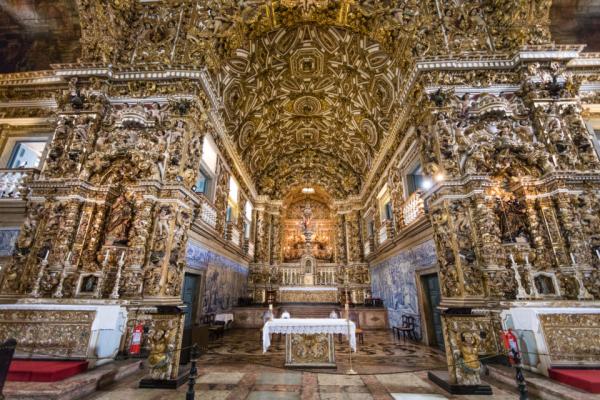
(308, 190)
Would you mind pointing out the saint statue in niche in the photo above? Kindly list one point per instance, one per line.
(308, 267)
(306, 218)
(512, 217)
(88, 284)
(119, 222)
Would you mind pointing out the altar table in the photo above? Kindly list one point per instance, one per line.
(227, 318)
(309, 341)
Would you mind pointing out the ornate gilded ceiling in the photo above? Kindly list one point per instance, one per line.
(310, 88)
(310, 104)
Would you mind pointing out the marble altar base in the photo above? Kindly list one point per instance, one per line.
(312, 351)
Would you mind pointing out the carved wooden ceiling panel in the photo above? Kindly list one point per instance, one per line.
(310, 104)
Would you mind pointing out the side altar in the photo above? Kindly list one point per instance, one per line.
(309, 342)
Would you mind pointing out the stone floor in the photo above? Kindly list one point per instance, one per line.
(236, 369)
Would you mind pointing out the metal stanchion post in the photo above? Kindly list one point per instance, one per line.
(519, 375)
(191, 392)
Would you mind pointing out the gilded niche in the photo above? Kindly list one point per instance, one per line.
(322, 227)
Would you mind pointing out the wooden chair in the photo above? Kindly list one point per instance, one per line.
(216, 329)
(407, 328)
(337, 315)
(359, 332)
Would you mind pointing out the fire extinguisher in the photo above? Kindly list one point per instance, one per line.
(511, 345)
(136, 339)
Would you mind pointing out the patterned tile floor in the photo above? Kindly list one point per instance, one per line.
(236, 369)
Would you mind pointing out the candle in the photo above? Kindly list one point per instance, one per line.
(122, 256)
(512, 259)
(47, 254)
(573, 258)
(68, 257)
(598, 253)
(526, 259)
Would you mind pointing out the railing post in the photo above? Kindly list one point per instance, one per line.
(191, 392)
(519, 375)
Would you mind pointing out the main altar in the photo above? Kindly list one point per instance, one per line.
(309, 341)
(304, 268)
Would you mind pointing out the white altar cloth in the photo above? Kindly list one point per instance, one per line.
(308, 326)
(224, 317)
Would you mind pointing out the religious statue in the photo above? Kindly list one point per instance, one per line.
(119, 222)
(467, 359)
(306, 222)
(161, 351)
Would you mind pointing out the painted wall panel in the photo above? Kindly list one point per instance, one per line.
(225, 279)
(394, 281)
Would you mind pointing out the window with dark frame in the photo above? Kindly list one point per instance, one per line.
(26, 154)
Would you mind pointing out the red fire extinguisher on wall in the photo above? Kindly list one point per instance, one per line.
(511, 344)
(136, 339)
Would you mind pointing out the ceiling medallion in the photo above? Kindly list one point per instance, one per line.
(307, 106)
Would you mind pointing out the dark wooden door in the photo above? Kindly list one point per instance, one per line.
(189, 297)
(431, 285)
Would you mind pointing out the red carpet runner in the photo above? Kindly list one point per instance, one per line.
(584, 379)
(44, 371)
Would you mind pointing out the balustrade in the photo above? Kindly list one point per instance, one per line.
(12, 182)
(413, 208)
(208, 213)
(294, 276)
(235, 236)
(386, 231)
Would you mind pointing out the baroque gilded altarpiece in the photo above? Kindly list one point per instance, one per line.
(495, 108)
